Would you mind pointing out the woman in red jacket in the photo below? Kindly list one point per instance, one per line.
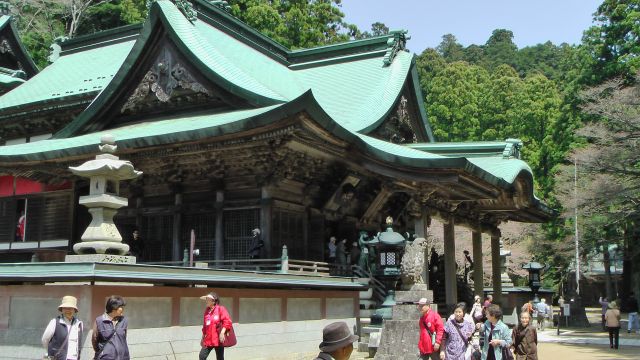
(217, 323)
(431, 331)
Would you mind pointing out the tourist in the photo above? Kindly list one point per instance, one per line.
(136, 246)
(524, 338)
(337, 342)
(109, 338)
(457, 335)
(355, 253)
(215, 328)
(433, 260)
(604, 302)
(487, 302)
(476, 311)
(332, 250)
(632, 308)
(496, 335)
(527, 307)
(612, 321)
(256, 244)
(63, 336)
(341, 256)
(542, 312)
(431, 331)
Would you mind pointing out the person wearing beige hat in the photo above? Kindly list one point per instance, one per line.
(216, 327)
(63, 336)
(337, 342)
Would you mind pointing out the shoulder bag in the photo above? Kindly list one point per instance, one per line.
(506, 351)
(230, 335)
(431, 335)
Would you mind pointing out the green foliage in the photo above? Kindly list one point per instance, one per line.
(613, 42)
(500, 48)
(454, 98)
(300, 23)
(450, 49)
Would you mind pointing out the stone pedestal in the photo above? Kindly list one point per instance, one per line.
(399, 336)
(103, 258)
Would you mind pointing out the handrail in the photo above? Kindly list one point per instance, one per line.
(379, 289)
(317, 268)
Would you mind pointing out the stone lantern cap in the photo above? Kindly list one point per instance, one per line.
(107, 165)
(533, 266)
(390, 237)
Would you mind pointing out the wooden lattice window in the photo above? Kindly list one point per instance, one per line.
(237, 231)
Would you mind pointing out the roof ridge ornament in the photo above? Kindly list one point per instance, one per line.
(395, 44)
(185, 7)
(512, 149)
(222, 4)
(5, 8)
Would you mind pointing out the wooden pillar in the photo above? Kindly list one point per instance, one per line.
(450, 281)
(266, 213)
(495, 267)
(478, 274)
(176, 253)
(305, 232)
(421, 224)
(219, 225)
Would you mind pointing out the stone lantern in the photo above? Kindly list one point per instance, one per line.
(390, 247)
(101, 241)
(534, 269)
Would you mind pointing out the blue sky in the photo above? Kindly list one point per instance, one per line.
(472, 21)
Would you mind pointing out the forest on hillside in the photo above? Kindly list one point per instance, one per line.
(575, 107)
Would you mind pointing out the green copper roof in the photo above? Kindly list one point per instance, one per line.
(9, 81)
(78, 73)
(162, 131)
(500, 172)
(88, 271)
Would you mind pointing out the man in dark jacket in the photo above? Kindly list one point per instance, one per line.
(137, 247)
(256, 244)
(337, 342)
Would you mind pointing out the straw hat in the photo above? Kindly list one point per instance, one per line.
(69, 302)
(336, 336)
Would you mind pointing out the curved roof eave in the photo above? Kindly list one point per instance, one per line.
(243, 120)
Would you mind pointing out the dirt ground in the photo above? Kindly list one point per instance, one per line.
(554, 351)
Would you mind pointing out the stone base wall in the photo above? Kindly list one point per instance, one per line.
(165, 322)
(264, 341)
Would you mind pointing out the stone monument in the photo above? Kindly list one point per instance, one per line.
(101, 241)
(504, 276)
(400, 334)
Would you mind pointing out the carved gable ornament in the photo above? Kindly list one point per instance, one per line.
(168, 77)
(398, 127)
(10, 55)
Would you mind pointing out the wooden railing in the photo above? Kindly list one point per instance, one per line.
(284, 266)
(379, 289)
